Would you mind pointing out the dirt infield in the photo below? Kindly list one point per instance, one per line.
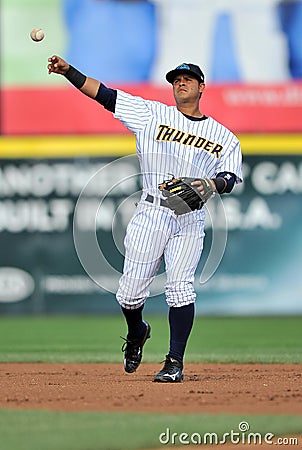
(208, 388)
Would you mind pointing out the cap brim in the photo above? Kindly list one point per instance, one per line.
(173, 73)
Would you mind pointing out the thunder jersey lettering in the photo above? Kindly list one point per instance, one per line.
(169, 143)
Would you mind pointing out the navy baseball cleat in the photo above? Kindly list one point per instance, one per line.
(133, 350)
(171, 372)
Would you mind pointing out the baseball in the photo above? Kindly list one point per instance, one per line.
(37, 34)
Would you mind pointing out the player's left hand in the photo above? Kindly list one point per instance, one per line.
(200, 185)
(183, 196)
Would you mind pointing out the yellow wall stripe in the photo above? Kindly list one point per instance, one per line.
(271, 144)
(119, 145)
(65, 146)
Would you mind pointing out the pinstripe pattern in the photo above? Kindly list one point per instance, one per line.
(155, 232)
(169, 143)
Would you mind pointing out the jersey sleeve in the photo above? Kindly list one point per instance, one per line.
(231, 160)
(134, 112)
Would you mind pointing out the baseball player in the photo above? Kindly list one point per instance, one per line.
(170, 140)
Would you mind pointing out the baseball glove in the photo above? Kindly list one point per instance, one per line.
(182, 197)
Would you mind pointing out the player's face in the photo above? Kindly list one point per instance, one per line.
(186, 88)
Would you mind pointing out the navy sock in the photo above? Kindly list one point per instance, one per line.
(181, 321)
(134, 319)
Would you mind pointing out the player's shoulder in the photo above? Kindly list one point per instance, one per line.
(222, 129)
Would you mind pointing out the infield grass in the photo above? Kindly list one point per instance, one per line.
(97, 339)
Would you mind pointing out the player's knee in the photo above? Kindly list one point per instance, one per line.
(132, 292)
(129, 301)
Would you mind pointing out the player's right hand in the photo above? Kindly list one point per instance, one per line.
(57, 65)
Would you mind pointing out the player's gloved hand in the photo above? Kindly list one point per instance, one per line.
(186, 194)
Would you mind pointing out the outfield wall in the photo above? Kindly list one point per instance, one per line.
(41, 179)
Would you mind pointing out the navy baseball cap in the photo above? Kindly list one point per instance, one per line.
(191, 69)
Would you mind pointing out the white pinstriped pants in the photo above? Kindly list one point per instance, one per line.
(155, 232)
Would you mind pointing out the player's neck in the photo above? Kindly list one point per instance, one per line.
(189, 110)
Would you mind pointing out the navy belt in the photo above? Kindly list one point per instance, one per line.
(151, 199)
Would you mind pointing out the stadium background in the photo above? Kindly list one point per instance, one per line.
(53, 140)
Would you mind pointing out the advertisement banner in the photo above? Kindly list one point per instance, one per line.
(63, 221)
(270, 108)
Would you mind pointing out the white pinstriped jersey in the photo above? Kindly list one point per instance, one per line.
(169, 143)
